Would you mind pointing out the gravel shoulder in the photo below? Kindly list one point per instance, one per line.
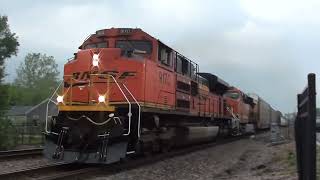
(247, 159)
(17, 164)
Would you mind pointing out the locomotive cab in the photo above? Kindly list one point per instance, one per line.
(239, 107)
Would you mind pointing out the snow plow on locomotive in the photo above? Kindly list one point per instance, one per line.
(126, 92)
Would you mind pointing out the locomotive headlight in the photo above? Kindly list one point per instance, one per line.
(101, 99)
(95, 60)
(95, 63)
(60, 99)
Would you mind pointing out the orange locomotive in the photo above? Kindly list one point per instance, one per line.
(126, 92)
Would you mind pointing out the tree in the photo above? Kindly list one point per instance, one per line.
(8, 44)
(37, 69)
(8, 136)
(37, 76)
(8, 47)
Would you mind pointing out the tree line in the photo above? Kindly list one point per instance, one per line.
(36, 78)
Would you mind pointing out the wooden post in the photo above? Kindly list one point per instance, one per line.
(305, 131)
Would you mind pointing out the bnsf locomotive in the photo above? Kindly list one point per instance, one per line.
(125, 92)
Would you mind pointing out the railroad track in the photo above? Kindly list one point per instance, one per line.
(20, 153)
(66, 171)
(31, 169)
(48, 171)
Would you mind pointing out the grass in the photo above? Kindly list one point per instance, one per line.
(292, 160)
(30, 139)
(286, 158)
(13, 140)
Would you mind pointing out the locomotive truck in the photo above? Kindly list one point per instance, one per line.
(125, 92)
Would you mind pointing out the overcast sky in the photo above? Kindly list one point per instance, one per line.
(267, 46)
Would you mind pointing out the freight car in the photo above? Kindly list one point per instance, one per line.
(262, 114)
(125, 92)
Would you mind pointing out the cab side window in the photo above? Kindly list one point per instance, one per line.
(165, 55)
(178, 64)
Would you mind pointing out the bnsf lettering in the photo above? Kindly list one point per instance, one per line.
(86, 75)
(126, 74)
(76, 75)
(112, 73)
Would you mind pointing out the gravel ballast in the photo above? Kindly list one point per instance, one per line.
(17, 164)
(246, 159)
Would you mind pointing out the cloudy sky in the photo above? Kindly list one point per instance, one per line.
(262, 46)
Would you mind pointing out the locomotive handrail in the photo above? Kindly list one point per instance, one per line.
(108, 86)
(129, 103)
(139, 109)
(124, 95)
(234, 116)
(129, 113)
(231, 112)
(47, 109)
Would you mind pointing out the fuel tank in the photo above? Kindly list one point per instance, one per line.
(191, 135)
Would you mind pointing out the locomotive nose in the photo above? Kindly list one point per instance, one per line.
(88, 74)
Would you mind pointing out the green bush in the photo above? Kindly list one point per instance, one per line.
(8, 135)
(292, 158)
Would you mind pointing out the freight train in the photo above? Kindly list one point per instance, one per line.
(126, 93)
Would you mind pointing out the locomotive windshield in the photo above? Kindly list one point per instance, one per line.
(134, 45)
(96, 45)
(233, 95)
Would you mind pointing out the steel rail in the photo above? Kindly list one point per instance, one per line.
(17, 172)
(21, 152)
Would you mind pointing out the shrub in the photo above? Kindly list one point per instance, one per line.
(8, 135)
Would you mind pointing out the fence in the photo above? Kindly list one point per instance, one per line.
(305, 131)
(22, 134)
(29, 134)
